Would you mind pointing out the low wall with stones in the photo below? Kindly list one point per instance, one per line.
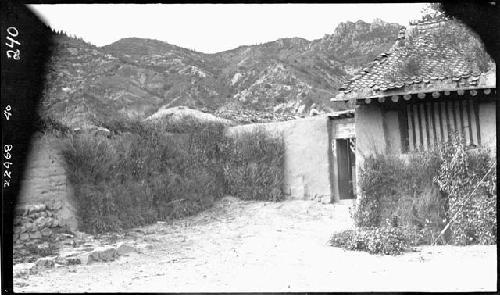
(35, 231)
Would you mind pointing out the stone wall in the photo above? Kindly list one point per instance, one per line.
(45, 182)
(35, 231)
(307, 147)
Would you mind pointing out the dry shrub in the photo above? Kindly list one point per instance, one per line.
(254, 166)
(423, 192)
(147, 171)
(142, 173)
(400, 192)
(468, 178)
(374, 240)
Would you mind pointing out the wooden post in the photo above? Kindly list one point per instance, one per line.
(487, 91)
(436, 94)
(368, 100)
(395, 98)
(421, 95)
(407, 96)
(473, 92)
(381, 99)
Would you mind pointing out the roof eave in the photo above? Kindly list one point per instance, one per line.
(406, 95)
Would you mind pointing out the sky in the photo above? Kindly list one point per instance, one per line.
(211, 28)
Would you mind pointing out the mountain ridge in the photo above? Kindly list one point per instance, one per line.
(134, 77)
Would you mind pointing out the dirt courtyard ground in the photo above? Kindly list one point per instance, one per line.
(277, 247)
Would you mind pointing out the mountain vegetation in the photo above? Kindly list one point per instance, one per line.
(134, 77)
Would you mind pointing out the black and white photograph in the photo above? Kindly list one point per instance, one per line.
(251, 147)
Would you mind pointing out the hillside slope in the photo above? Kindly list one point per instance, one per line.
(134, 77)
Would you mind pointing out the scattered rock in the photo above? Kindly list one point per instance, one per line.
(46, 262)
(23, 269)
(75, 260)
(24, 237)
(106, 253)
(124, 249)
(143, 248)
(21, 284)
(85, 258)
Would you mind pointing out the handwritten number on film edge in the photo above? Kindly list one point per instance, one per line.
(14, 53)
(12, 43)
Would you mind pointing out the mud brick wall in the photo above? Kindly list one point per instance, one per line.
(45, 182)
(307, 164)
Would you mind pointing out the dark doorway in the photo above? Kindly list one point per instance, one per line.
(346, 168)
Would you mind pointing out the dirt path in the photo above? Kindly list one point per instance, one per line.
(260, 246)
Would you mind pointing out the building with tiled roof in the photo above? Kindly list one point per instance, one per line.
(435, 82)
(419, 62)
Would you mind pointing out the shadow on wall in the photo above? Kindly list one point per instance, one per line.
(45, 183)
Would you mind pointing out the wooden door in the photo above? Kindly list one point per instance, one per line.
(345, 162)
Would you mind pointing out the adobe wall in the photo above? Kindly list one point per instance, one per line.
(307, 163)
(487, 122)
(370, 136)
(44, 181)
(392, 132)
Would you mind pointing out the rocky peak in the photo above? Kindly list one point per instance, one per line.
(136, 76)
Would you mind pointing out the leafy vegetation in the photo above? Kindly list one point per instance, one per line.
(468, 178)
(398, 191)
(421, 194)
(254, 166)
(143, 172)
(376, 240)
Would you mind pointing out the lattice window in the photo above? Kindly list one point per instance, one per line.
(429, 123)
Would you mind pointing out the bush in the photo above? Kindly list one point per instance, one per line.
(136, 177)
(254, 166)
(427, 189)
(147, 171)
(399, 192)
(378, 178)
(375, 240)
(468, 178)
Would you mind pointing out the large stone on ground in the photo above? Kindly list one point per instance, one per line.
(106, 253)
(75, 260)
(46, 262)
(123, 249)
(143, 248)
(85, 258)
(23, 269)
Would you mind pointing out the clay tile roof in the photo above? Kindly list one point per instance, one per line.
(422, 60)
